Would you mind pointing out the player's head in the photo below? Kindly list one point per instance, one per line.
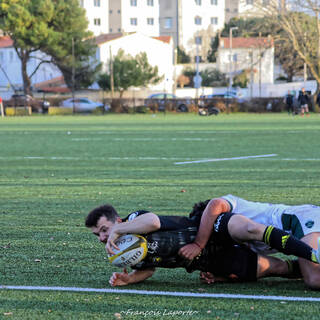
(101, 220)
(198, 208)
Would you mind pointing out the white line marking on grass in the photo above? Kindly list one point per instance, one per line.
(163, 293)
(93, 158)
(293, 159)
(144, 139)
(226, 159)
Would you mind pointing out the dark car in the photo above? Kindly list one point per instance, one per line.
(163, 101)
(23, 100)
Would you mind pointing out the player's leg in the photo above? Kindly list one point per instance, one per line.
(274, 267)
(239, 263)
(310, 270)
(242, 229)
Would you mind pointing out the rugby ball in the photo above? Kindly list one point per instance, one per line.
(133, 249)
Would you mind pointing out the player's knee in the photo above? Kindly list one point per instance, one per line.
(312, 280)
(255, 230)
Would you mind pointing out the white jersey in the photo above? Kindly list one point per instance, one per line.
(264, 213)
(297, 220)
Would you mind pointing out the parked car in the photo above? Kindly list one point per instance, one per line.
(22, 100)
(83, 104)
(225, 95)
(161, 99)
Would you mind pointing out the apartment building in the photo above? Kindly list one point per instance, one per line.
(192, 23)
(97, 15)
(134, 16)
(232, 10)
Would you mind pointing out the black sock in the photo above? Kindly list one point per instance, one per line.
(288, 244)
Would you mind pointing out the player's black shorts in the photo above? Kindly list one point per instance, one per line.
(220, 232)
(236, 262)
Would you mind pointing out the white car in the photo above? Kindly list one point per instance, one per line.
(83, 104)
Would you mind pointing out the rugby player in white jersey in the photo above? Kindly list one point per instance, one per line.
(301, 222)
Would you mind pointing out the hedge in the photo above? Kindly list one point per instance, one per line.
(59, 111)
(18, 111)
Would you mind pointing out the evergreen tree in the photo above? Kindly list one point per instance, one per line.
(49, 26)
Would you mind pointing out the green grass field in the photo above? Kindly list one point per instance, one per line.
(53, 170)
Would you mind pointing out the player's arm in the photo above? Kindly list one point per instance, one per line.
(124, 278)
(209, 216)
(142, 224)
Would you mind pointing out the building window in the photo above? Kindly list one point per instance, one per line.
(96, 3)
(235, 57)
(81, 3)
(168, 23)
(249, 1)
(1, 56)
(133, 3)
(214, 20)
(198, 2)
(134, 21)
(198, 58)
(110, 30)
(110, 11)
(214, 2)
(97, 22)
(150, 3)
(119, 11)
(198, 40)
(198, 21)
(150, 21)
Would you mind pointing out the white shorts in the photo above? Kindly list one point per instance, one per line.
(301, 220)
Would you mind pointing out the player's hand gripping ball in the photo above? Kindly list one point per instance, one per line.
(133, 249)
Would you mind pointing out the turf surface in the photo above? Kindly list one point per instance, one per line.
(53, 170)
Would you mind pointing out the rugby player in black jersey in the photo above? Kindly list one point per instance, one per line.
(166, 235)
(290, 229)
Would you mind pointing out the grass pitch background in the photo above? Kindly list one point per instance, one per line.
(53, 170)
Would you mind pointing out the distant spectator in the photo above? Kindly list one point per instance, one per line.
(318, 99)
(289, 102)
(303, 100)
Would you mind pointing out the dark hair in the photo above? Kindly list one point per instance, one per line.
(198, 208)
(106, 210)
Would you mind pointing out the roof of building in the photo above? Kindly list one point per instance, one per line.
(166, 39)
(239, 42)
(102, 38)
(6, 42)
(56, 84)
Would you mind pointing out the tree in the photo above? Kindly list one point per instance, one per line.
(213, 78)
(212, 53)
(128, 72)
(182, 57)
(241, 80)
(26, 22)
(302, 27)
(74, 50)
(210, 77)
(47, 26)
